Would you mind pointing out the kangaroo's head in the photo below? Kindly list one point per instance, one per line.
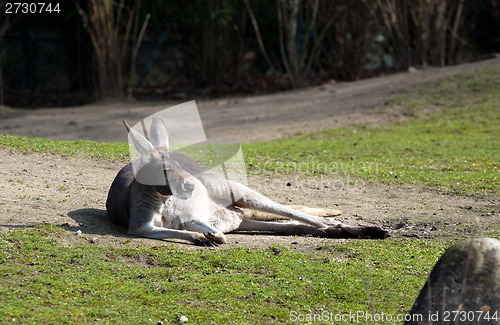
(156, 166)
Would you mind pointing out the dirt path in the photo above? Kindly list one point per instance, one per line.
(245, 119)
(71, 192)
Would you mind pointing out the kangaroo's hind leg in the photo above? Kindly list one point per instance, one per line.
(266, 216)
(248, 198)
(297, 228)
(292, 228)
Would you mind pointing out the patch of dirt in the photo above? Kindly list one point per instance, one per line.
(246, 119)
(71, 192)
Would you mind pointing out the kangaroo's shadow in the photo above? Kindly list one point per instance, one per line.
(95, 221)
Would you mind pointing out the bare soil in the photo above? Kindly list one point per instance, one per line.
(71, 192)
(246, 119)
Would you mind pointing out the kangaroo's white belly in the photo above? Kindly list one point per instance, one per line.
(180, 214)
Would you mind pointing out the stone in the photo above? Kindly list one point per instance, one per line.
(463, 287)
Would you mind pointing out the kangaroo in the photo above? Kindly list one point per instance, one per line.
(186, 200)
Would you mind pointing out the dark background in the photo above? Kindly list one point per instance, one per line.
(210, 48)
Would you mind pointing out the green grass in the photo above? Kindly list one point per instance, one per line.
(455, 149)
(82, 148)
(43, 281)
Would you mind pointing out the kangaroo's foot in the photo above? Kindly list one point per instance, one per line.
(344, 231)
(376, 233)
(368, 232)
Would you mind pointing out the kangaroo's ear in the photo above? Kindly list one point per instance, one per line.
(158, 133)
(141, 144)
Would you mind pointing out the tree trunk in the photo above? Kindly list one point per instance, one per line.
(3, 29)
(291, 43)
(2, 100)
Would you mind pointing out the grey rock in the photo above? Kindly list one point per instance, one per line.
(463, 287)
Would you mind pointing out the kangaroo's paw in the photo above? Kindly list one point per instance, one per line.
(219, 238)
(203, 240)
